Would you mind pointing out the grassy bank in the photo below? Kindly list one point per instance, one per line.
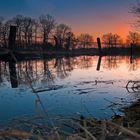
(40, 53)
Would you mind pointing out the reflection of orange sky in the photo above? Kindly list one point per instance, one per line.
(111, 68)
(119, 66)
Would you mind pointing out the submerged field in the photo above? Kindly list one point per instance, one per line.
(69, 87)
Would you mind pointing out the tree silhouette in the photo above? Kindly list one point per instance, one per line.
(36, 30)
(61, 35)
(133, 37)
(47, 25)
(18, 21)
(117, 40)
(70, 41)
(111, 40)
(27, 29)
(136, 11)
(85, 40)
(4, 33)
(45, 33)
(1, 20)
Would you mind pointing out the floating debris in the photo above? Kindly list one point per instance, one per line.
(54, 87)
(133, 86)
(96, 82)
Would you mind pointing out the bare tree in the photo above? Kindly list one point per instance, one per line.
(117, 41)
(36, 30)
(107, 39)
(5, 33)
(133, 37)
(135, 9)
(61, 35)
(47, 24)
(18, 21)
(70, 41)
(27, 29)
(1, 24)
(111, 40)
(85, 40)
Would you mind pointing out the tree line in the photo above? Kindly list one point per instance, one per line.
(47, 33)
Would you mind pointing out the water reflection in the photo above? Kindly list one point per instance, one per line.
(133, 63)
(66, 85)
(62, 66)
(47, 71)
(13, 74)
(99, 63)
(112, 62)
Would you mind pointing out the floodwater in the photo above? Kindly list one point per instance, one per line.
(87, 85)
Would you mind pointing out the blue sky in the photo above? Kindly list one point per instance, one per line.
(81, 15)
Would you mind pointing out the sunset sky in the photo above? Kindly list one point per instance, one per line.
(83, 16)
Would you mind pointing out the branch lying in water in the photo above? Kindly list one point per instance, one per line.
(133, 86)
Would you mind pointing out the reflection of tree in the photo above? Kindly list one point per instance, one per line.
(85, 62)
(4, 72)
(111, 62)
(45, 71)
(48, 76)
(69, 64)
(26, 68)
(133, 64)
(63, 66)
(35, 72)
(30, 68)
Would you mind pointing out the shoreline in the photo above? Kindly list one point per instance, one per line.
(5, 54)
(117, 128)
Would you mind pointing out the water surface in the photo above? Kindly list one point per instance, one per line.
(88, 85)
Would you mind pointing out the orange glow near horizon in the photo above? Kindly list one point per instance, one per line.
(121, 30)
(116, 24)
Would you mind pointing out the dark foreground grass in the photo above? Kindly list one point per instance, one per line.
(125, 127)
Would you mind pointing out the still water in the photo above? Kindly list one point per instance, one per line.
(70, 86)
